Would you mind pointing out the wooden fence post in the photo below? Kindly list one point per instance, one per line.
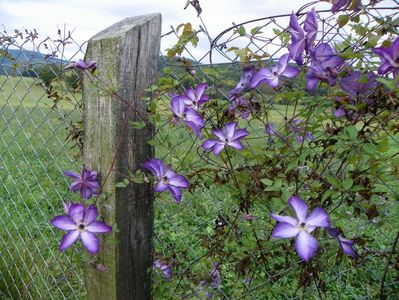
(127, 57)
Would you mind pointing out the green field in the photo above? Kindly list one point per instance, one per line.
(33, 155)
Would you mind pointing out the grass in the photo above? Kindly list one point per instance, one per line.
(32, 188)
(33, 156)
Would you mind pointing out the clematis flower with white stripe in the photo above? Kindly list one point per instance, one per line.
(301, 227)
(229, 135)
(167, 180)
(272, 76)
(80, 223)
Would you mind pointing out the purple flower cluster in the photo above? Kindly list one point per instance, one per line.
(80, 221)
(167, 180)
(185, 107)
(296, 126)
(301, 227)
(164, 268)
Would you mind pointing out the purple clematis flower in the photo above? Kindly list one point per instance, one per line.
(346, 245)
(229, 135)
(324, 66)
(240, 105)
(246, 76)
(214, 281)
(80, 222)
(81, 65)
(272, 76)
(86, 182)
(194, 98)
(345, 4)
(270, 130)
(166, 178)
(301, 227)
(299, 41)
(359, 86)
(340, 112)
(299, 133)
(188, 115)
(389, 59)
(164, 268)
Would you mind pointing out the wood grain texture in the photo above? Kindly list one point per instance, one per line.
(127, 56)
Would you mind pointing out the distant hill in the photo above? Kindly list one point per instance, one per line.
(22, 62)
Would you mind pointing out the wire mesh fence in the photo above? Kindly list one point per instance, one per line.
(216, 244)
(40, 112)
(219, 245)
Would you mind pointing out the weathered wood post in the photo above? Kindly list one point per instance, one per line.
(127, 57)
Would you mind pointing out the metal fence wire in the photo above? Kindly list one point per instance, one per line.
(207, 227)
(41, 122)
(40, 113)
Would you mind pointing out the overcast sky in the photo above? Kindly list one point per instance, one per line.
(87, 17)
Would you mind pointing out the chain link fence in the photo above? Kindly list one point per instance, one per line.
(208, 234)
(41, 126)
(40, 114)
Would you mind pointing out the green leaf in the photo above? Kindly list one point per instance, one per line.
(343, 20)
(347, 184)
(122, 184)
(370, 148)
(334, 181)
(383, 146)
(241, 30)
(256, 30)
(138, 124)
(328, 194)
(351, 132)
(266, 181)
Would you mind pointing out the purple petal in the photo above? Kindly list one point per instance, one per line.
(217, 148)
(347, 247)
(76, 212)
(285, 219)
(208, 144)
(219, 133)
(229, 130)
(177, 106)
(91, 214)
(72, 174)
(179, 181)
(305, 245)
(236, 144)
(300, 208)
(283, 63)
(273, 82)
(176, 193)
(318, 217)
(240, 133)
(261, 76)
(311, 82)
(76, 186)
(98, 227)
(200, 90)
(285, 230)
(291, 72)
(156, 166)
(161, 186)
(63, 223)
(296, 50)
(68, 239)
(90, 241)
